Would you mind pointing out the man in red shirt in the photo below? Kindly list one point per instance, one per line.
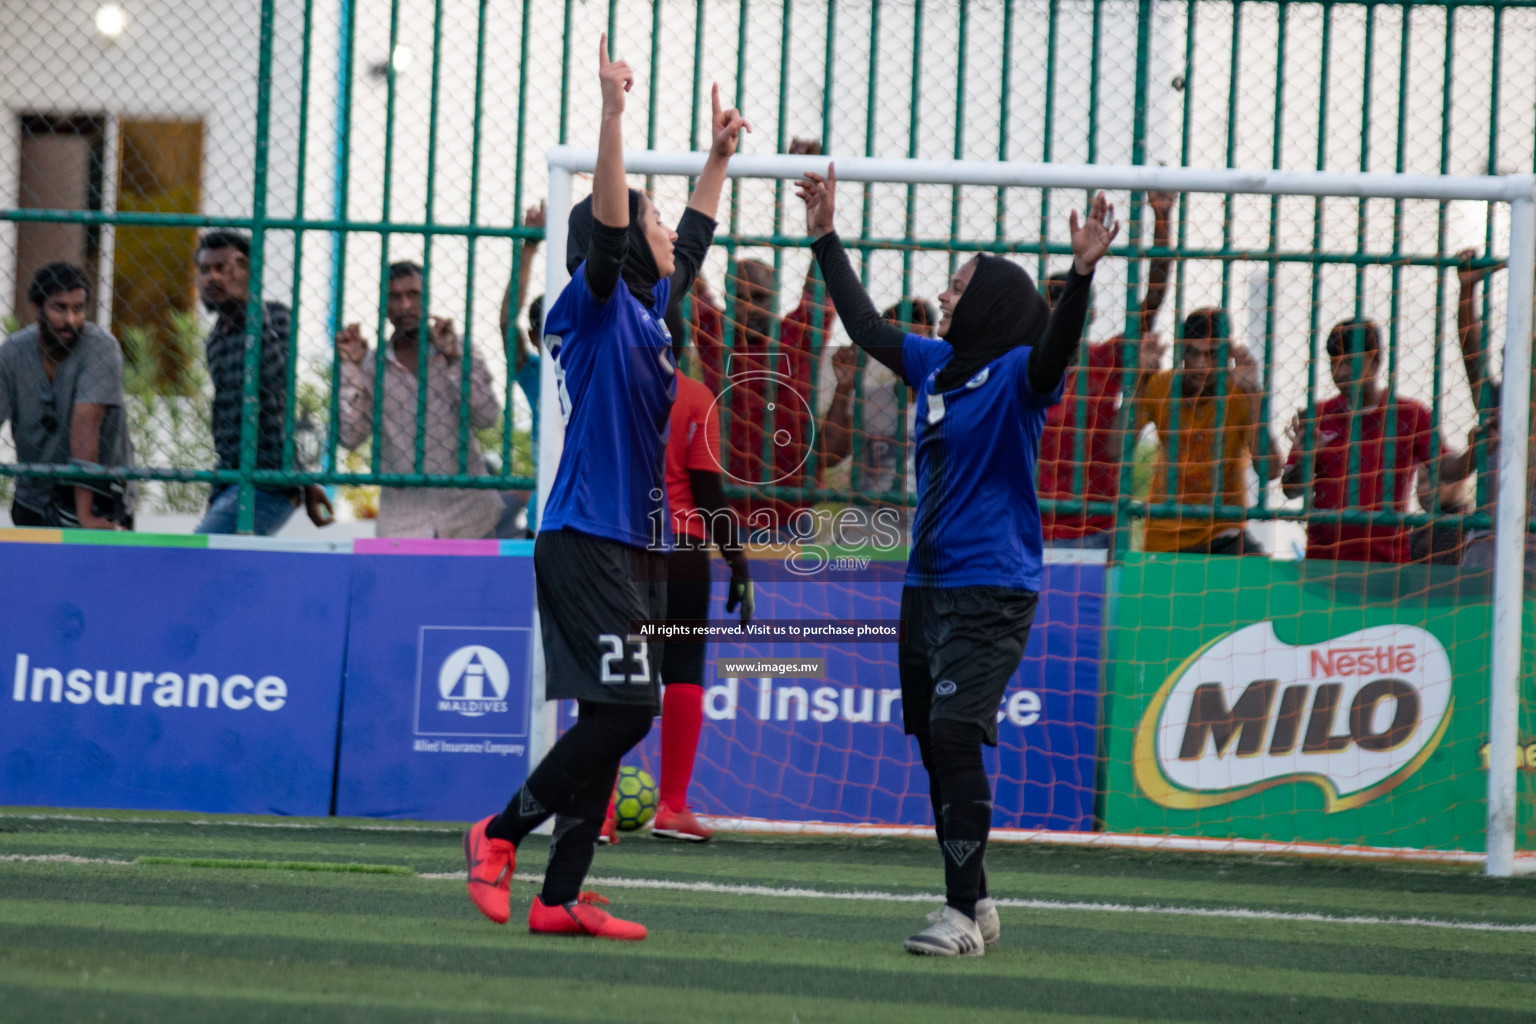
(1099, 428)
(767, 402)
(1367, 446)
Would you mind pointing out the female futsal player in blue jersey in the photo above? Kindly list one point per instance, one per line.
(973, 574)
(600, 558)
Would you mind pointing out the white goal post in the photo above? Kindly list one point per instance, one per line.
(1519, 191)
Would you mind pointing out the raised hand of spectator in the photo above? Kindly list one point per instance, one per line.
(615, 77)
(318, 506)
(1469, 275)
(1161, 202)
(1249, 375)
(845, 367)
(1091, 238)
(350, 343)
(444, 338)
(1150, 349)
(820, 197)
(726, 126)
(804, 147)
(535, 218)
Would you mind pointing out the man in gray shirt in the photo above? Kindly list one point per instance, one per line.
(61, 388)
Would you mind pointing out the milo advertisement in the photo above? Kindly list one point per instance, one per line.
(1302, 702)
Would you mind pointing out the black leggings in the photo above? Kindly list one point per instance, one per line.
(961, 795)
(574, 781)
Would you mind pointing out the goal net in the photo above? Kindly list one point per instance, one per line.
(1284, 587)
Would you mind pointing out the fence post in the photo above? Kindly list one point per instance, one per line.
(1509, 540)
(255, 313)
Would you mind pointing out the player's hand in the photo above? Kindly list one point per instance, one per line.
(1091, 239)
(820, 197)
(740, 592)
(616, 78)
(726, 126)
(845, 367)
(318, 506)
(350, 343)
(444, 338)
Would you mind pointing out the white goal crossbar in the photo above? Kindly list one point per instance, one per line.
(1518, 190)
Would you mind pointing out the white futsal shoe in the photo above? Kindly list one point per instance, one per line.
(953, 934)
(986, 920)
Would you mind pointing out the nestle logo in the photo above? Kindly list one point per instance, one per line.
(1394, 659)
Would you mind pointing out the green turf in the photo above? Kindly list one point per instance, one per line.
(173, 918)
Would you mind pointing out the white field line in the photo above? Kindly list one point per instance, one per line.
(1525, 860)
(857, 895)
(1234, 913)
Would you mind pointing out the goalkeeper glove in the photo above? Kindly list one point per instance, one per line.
(740, 592)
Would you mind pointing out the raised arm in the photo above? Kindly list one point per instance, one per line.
(1469, 326)
(610, 195)
(1157, 269)
(860, 318)
(1049, 360)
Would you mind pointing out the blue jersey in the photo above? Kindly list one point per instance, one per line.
(613, 365)
(977, 521)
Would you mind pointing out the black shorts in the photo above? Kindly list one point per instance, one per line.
(687, 598)
(959, 648)
(590, 590)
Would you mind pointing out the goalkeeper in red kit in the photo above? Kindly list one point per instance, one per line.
(700, 516)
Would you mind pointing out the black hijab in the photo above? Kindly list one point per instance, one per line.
(1000, 310)
(639, 272)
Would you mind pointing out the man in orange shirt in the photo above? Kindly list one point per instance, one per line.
(1209, 431)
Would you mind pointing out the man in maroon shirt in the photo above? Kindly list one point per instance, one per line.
(1098, 397)
(1367, 444)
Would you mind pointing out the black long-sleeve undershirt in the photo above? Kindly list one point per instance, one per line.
(605, 259)
(860, 319)
(1048, 361)
(709, 498)
(609, 246)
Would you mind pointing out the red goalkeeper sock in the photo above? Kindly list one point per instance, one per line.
(682, 716)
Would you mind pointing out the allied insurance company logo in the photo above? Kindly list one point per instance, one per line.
(1355, 716)
(472, 681)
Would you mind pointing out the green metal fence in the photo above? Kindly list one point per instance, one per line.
(344, 135)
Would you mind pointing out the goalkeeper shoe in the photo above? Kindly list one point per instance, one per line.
(953, 934)
(681, 824)
(986, 920)
(490, 863)
(582, 916)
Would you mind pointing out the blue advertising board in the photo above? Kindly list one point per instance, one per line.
(832, 749)
(435, 718)
(166, 679)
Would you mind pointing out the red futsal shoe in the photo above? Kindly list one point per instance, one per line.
(609, 836)
(582, 916)
(490, 863)
(681, 824)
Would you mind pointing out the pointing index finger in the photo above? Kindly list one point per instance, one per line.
(602, 48)
(714, 100)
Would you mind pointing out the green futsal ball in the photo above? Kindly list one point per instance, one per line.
(636, 799)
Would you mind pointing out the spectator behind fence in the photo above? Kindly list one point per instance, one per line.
(1349, 439)
(768, 405)
(61, 388)
(421, 511)
(1487, 397)
(526, 347)
(224, 283)
(1206, 440)
(1098, 400)
(884, 457)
